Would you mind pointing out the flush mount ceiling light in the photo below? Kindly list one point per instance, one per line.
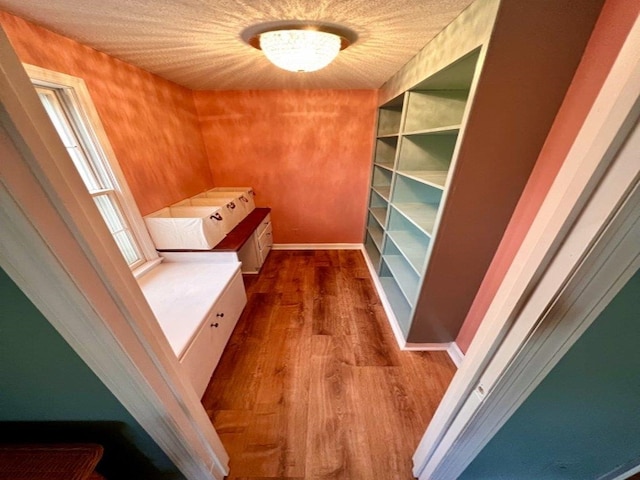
(299, 46)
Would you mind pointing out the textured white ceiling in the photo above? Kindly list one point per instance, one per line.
(197, 43)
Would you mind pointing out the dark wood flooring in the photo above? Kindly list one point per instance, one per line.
(312, 384)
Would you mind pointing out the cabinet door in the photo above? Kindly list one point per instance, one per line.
(199, 361)
(226, 312)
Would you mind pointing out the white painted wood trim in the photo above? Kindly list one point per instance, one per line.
(616, 475)
(571, 237)
(393, 321)
(470, 30)
(42, 76)
(455, 353)
(57, 249)
(510, 378)
(425, 347)
(316, 246)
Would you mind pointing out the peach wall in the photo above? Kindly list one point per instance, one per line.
(611, 29)
(307, 153)
(152, 123)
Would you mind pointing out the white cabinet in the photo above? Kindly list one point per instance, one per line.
(254, 252)
(197, 303)
(202, 356)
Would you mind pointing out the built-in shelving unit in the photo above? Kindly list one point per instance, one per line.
(460, 128)
(417, 139)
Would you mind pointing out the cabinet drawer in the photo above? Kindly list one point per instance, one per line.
(266, 238)
(264, 252)
(264, 225)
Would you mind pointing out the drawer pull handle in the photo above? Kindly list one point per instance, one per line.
(219, 314)
(216, 216)
(231, 205)
(244, 199)
(215, 324)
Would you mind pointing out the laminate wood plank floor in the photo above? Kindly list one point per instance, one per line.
(312, 384)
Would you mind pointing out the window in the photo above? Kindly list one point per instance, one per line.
(66, 101)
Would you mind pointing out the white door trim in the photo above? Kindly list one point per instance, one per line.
(57, 249)
(584, 230)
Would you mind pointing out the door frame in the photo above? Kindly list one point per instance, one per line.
(57, 249)
(585, 236)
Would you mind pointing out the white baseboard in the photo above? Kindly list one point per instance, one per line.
(393, 321)
(455, 354)
(426, 347)
(450, 347)
(317, 246)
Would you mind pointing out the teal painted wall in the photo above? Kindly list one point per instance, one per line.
(583, 420)
(48, 394)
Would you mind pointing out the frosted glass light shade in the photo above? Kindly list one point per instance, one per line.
(300, 50)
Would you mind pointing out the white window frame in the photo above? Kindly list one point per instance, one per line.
(76, 92)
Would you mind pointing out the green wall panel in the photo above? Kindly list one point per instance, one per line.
(583, 420)
(48, 394)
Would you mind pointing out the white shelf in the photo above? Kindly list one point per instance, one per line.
(399, 304)
(412, 247)
(445, 130)
(389, 119)
(387, 166)
(380, 213)
(388, 135)
(435, 179)
(434, 109)
(404, 275)
(423, 215)
(386, 148)
(376, 235)
(372, 251)
(384, 191)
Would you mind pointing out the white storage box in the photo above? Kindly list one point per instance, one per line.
(245, 194)
(230, 218)
(229, 206)
(186, 228)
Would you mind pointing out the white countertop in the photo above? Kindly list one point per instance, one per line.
(182, 294)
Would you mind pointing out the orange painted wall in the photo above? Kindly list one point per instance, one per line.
(611, 29)
(152, 123)
(307, 153)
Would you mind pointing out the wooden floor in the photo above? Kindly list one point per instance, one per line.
(312, 384)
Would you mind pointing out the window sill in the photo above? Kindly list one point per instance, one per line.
(146, 267)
